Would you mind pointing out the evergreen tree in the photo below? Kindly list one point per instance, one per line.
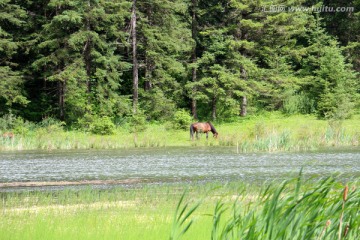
(164, 39)
(11, 85)
(78, 53)
(257, 52)
(336, 84)
(76, 60)
(330, 81)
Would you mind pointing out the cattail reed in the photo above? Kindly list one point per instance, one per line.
(346, 230)
(345, 194)
(346, 190)
(328, 222)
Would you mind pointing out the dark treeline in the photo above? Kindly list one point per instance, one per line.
(75, 60)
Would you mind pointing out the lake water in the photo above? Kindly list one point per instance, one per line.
(159, 165)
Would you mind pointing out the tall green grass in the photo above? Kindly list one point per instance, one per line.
(120, 213)
(293, 209)
(274, 132)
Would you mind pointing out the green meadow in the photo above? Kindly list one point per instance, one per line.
(300, 208)
(268, 132)
(294, 209)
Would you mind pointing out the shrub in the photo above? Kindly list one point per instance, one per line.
(18, 125)
(51, 124)
(102, 126)
(96, 124)
(85, 121)
(157, 105)
(137, 122)
(182, 119)
(299, 103)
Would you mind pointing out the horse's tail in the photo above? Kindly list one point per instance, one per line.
(192, 131)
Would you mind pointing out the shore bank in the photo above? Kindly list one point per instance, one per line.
(271, 133)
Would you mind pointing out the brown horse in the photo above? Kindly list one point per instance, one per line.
(204, 127)
(8, 135)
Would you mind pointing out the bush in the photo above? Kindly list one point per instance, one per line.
(18, 125)
(298, 103)
(85, 121)
(182, 119)
(137, 122)
(96, 124)
(102, 126)
(157, 106)
(51, 125)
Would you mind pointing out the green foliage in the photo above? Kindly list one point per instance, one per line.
(164, 42)
(69, 58)
(97, 124)
(137, 122)
(77, 48)
(181, 222)
(11, 79)
(11, 87)
(51, 125)
(85, 121)
(15, 124)
(102, 126)
(157, 106)
(182, 119)
(336, 84)
(266, 132)
(299, 103)
(283, 211)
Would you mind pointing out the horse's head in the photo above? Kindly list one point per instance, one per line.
(216, 135)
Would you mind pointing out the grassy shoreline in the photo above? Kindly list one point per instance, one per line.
(231, 211)
(274, 132)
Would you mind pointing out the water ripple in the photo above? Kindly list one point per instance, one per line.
(171, 163)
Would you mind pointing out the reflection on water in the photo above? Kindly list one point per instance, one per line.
(173, 165)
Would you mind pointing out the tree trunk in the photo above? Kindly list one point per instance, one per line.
(60, 85)
(213, 114)
(193, 100)
(148, 62)
(194, 58)
(135, 62)
(61, 93)
(148, 73)
(243, 105)
(87, 60)
(87, 57)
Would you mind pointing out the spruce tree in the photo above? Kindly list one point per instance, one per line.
(337, 85)
(12, 18)
(164, 40)
(77, 50)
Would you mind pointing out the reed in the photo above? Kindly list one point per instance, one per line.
(181, 222)
(293, 209)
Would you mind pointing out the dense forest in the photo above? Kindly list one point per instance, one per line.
(78, 60)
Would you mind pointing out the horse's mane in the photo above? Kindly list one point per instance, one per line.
(212, 127)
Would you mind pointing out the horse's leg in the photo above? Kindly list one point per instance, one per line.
(192, 132)
(207, 135)
(197, 136)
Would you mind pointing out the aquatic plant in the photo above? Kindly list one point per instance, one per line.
(291, 211)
